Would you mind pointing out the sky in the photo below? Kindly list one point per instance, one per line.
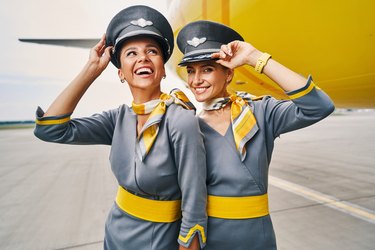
(32, 75)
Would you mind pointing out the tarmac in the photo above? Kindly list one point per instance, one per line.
(321, 189)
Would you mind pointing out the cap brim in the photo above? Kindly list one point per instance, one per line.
(196, 58)
(136, 33)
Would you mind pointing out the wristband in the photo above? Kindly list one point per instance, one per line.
(261, 62)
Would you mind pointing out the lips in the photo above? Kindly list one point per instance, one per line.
(143, 71)
(200, 90)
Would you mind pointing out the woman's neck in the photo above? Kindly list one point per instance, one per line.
(215, 114)
(142, 96)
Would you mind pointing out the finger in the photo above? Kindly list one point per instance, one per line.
(229, 50)
(103, 47)
(107, 52)
(100, 44)
(98, 48)
(234, 46)
(222, 54)
(215, 55)
(223, 62)
(102, 39)
(226, 49)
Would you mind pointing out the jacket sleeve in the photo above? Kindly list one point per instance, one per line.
(96, 129)
(306, 106)
(190, 158)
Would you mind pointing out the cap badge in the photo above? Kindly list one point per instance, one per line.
(196, 41)
(141, 22)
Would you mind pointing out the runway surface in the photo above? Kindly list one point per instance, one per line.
(321, 188)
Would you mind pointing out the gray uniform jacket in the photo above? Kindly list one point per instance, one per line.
(175, 168)
(227, 175)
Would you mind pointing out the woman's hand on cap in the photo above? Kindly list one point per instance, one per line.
(100, 56)
(235, 54)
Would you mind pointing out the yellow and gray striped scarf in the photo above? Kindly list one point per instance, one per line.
(243, 120)
(156, 109)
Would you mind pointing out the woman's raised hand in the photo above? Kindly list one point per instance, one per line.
(236, 54)
(100, 56)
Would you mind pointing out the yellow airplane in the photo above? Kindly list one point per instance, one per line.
(331, 39)
(334, 40)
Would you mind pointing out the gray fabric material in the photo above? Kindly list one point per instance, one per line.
(173, 169)
(228, 176)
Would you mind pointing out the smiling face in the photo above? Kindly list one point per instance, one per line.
(142, 64)
(208, 80)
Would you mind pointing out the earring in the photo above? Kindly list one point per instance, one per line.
(122, 80)
(164, 76)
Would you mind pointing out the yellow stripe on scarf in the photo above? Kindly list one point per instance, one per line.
(138, 108)
(243, 121)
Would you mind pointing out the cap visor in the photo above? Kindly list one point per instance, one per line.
(196, 58)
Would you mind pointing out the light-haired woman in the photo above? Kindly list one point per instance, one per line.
(240, 130)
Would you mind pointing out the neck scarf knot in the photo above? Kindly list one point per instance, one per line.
(243, 121)
(156, 108)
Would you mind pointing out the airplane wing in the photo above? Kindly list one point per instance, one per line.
(77, 43)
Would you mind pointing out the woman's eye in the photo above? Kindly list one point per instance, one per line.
(131, 53)
(153, 52)
(207, 70)
(189, 71)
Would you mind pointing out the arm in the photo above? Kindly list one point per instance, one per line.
(66, 102)
(190, 160)
(96, 129)
(237, 53)
(55, 125)
(308, 104)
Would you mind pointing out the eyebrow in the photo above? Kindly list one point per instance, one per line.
(131, 48)
(202, 66)
(147, 46)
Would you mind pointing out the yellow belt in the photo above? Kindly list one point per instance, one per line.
(146, 209)
(237, 207)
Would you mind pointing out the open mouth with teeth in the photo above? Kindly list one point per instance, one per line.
(200, 90)
(144, 71)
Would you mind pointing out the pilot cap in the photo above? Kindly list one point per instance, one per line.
(139, 20)
(198, 40)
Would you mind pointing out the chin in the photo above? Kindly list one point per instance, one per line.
(146, 84)
(201, 98)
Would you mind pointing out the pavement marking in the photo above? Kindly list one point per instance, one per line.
(81, 245)
(327, 200)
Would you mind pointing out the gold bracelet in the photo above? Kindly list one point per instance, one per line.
(262, 61)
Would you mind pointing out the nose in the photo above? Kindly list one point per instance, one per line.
(143, 57)
(197, 79)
